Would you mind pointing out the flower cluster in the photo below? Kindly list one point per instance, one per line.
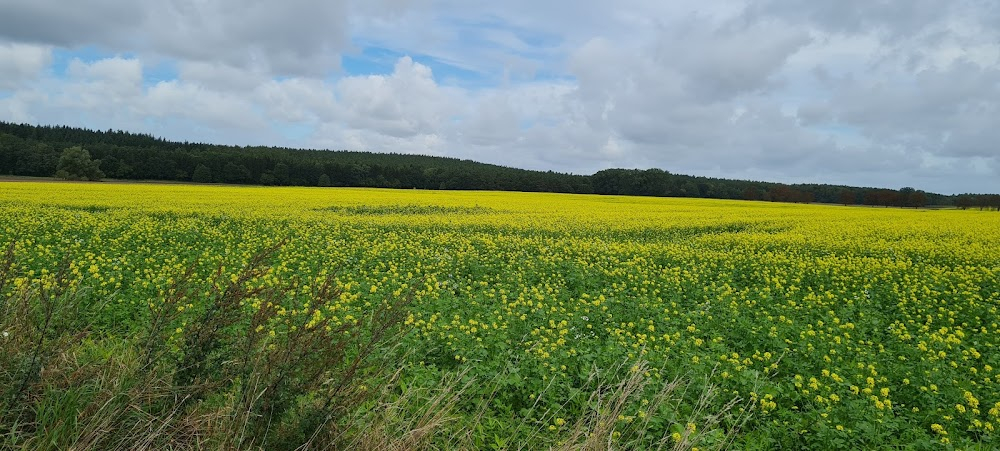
(849, 316)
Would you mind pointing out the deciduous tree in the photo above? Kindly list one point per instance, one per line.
(202, 174)
(75, 164)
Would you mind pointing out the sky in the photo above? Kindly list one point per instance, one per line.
(886, 93)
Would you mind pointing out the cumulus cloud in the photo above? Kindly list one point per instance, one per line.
(298, 100)
(71, 24)
(220, 76)
(406, 103)
(693, 94)
(896, 92)
(896, 19)
(294, 36)
(109, 87)
(191, 101)
(21, 63)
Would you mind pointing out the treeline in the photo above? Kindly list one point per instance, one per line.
(656, 182)
(35, 151)
(29, 150)
(980, 201)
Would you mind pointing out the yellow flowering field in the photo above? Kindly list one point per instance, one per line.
(788, 326)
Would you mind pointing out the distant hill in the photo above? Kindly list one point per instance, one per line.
(30, 150)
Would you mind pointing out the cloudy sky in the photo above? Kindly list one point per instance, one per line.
(864, 92)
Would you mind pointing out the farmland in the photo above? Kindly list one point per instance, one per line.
(670, 323)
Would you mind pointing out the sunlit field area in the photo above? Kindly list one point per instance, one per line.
(246, 317)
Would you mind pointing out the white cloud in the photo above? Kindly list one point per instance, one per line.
(109, 86)
(22, 63)
(298, 100)
(899, 92)
(191, 101)
(117, 71)
(406, 103)
(293, 36)
(220, 77)
(71, 24)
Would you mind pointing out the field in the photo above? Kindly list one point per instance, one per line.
(551, 320)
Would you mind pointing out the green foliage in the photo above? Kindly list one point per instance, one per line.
(75, 164)
(232, 382)
(143, 157)
(656, 182)
(537, 316)
(31, 150)
(202, 174)
(281, 173)
(236, 173)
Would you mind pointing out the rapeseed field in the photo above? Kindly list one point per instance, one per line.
(561, 320)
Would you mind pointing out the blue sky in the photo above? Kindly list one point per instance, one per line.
(898, 93)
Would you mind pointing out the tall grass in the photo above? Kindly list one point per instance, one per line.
(229, 383)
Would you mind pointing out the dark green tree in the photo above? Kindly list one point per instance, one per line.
(324, 180)
(235, 173)
(964, 201)
(75, 164)
(905, 197)
(31, 150)
(847, 197)
(202, 174)
(281, 174)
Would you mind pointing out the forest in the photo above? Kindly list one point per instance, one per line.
(46, 151)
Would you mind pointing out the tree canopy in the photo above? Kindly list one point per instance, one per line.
(32, 150)
(75, 164)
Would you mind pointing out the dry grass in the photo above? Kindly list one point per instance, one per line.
(230, 385)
